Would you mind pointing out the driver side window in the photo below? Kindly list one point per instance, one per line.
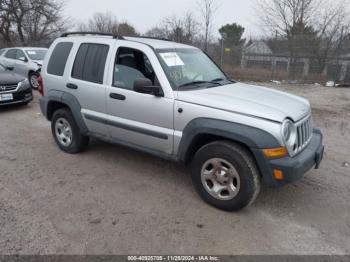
(20, 55)
(131, 64)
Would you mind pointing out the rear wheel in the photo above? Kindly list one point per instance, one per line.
(225, 175)
(66, 132)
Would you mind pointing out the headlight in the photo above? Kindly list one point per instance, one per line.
(289, 133)
(23, 83)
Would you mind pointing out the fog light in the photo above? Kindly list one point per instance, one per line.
(278, 174)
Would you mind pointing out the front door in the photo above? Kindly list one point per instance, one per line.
(10, 58)
(21, 66)
(141, 120)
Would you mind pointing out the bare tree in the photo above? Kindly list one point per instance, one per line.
(207, 9)
(190, 26)
(5, 26)
(126, 29)
(158, 32)
(332, 24)
(31, 21)
(311, 27)
(283, 15)
(45, 21)
(108, 23)
(101, 22)
(179, 29)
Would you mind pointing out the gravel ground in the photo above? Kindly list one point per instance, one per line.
(113, 200)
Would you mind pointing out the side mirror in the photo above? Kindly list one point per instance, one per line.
(145, 86)
(23, 59)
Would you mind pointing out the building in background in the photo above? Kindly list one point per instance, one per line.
(276, 60)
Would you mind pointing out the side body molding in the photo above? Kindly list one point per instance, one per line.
(67, 99)
(250, 136)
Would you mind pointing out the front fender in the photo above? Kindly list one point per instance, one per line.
(252, 137)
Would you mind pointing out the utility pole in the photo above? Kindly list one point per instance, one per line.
(223, 35)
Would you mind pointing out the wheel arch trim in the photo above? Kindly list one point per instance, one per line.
(251, 137)
(70, 101)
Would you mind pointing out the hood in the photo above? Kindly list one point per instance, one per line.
(9, 77)
(40, 62)
(251, 100)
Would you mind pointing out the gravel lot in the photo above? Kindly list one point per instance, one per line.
(113, 200)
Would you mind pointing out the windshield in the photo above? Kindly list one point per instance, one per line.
(189, 67)
(36, 54)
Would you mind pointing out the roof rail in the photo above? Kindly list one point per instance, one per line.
(92, 33)
(151, 37)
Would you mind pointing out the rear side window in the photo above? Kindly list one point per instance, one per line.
(90, 62)
(11, 54)
(2, 51)
(59, 58)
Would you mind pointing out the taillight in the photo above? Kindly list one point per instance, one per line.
(41, 85)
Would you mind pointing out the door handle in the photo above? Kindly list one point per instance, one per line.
(117, 96)
(71, 86)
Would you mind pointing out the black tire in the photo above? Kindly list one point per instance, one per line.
(78, 141)
(31, 74)
(243, 163)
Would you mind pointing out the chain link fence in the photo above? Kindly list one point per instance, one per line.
(258, 62)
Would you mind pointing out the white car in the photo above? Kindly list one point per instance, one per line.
(26, 61)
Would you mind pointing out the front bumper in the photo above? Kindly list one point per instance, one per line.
(19, 97)
(293, 168)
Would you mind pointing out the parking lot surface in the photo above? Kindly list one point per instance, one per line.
(113, 200)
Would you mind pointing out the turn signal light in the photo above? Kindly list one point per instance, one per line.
(275, 152)
(278, 174)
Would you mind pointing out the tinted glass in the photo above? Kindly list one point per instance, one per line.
(90, 62)
(2, 51)
(78, 67)
(59, 58)
(11, 54)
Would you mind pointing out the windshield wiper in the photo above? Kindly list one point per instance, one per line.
(222, 79)
(199, 82)
(217, 80)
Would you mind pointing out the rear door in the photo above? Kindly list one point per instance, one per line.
(86, 82)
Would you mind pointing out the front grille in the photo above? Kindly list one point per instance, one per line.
(8, 87)
(304, 134)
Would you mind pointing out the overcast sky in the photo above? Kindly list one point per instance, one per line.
(144, 14)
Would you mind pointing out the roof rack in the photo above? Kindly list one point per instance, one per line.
(151, 37)
(92, 33)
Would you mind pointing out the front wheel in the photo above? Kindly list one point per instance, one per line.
(225, 175)
(66, 132)
(33, 80)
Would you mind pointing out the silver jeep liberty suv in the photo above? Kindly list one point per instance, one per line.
(173, 101)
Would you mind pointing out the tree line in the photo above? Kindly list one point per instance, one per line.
(317, 28)
(38, 22)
